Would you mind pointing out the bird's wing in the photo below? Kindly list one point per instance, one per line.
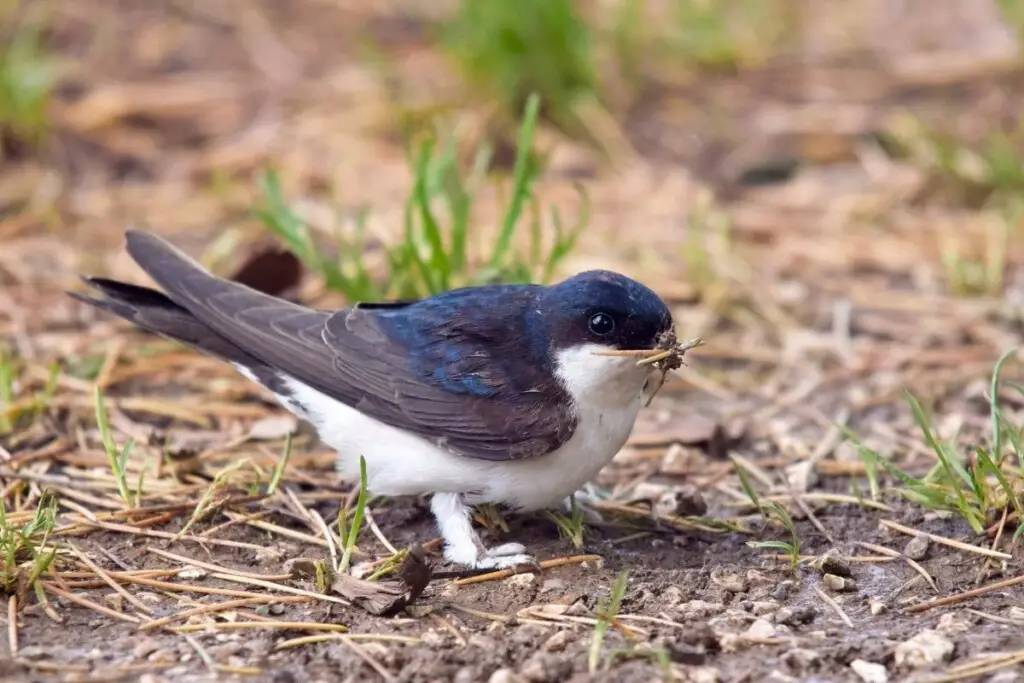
(446, 381)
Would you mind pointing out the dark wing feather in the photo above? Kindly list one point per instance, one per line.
(438, 368)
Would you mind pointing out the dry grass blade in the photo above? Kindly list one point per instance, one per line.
(366, 657)
(216, 567)
(12, 625)
(985, 665)
(250, 625)
(966, 547)
(85, 602)
(220, 607)
(830, 601)
(967, 595)
(547, 564)
(280, 587)
(124, 528)
(913, 564)
(325, 637)
(139, 605)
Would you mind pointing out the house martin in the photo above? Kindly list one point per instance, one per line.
(495, 393)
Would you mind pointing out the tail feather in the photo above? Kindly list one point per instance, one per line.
(157, 313)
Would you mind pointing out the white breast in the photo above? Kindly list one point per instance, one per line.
(607, 392)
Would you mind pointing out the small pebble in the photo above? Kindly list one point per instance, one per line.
(869, 672)
(876, 606)
(552, 586)
(833, 563)
(927, 648)
(702, 674)
(838, 583)
(434, 639)
(671, 596)
(730, 582)
(504, 676)
(761, 628)
(954, 623)
(557, 642)
(762, 607)
(700, 609)
(795, 616)
(544, 668)
(800, 659)
(917, 547)
(144, 648)
(783, 590)
(277, 609)
(521, 581)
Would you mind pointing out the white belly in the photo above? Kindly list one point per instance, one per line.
(608, 393)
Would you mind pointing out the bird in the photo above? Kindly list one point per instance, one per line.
(495, 393)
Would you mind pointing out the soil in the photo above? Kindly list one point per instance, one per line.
(828, 295)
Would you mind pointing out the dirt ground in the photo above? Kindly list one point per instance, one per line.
(845, 272)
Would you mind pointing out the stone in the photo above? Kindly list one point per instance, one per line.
(917, 547)
(795, 616)
(434, 638)
(730, 582)
(761, 628)
(800, 659)
(557, 642)
(869, 672)
(927, 648)
(702, 674)
(700, 609)
(522, 581)
(545, 668)
(504, 676)
(839, 584)
(833, 563)
(953, 624)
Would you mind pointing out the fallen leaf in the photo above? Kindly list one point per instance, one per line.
(386, 598)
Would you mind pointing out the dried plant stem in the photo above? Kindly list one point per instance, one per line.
(966, 547)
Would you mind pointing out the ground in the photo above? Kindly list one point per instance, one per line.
(838, 222)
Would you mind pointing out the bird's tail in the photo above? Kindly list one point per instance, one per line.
(156, 312)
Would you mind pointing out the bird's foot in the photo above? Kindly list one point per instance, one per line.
(463, 546)
(503, 556)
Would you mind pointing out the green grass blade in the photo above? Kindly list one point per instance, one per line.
(522, 173)
(357, 519)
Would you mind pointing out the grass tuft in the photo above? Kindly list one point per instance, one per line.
(510, 50)
(435, 253)
(790, 547)
(24, 554)
(572, 526)
(28, 74)
(727, 33)
(977, 484)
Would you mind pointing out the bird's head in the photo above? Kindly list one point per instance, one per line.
(597, 311)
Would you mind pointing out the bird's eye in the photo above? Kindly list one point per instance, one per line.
(601, 324)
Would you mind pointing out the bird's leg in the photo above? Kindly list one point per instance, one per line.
(585, 503)
(462, 545)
